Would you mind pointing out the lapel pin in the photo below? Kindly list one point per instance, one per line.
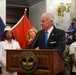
(52, 34)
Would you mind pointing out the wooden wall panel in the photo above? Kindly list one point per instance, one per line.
(13, 14)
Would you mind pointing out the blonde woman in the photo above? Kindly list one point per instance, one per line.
(30, 35)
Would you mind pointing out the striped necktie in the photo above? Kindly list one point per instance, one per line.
(46, 37)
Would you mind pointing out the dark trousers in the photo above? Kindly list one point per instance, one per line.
(61, 73)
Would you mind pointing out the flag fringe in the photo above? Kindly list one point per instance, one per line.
(17, 22)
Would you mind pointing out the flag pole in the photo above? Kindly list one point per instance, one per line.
(25, 11)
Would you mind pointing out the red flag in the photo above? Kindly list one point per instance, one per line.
(20, 30)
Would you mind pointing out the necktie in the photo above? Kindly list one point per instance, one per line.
(46, 37)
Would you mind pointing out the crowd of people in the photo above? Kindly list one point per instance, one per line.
(70, 53)
(56, 40)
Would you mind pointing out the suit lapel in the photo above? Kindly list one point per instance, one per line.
(42, 37)
(51, 37)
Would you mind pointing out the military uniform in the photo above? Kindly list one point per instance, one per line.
(67, 61)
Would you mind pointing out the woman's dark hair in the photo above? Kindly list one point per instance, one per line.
(3, 37)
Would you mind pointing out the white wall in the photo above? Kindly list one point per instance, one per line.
(3, 10)
(52, 6)
(73, 9)
(35, 13)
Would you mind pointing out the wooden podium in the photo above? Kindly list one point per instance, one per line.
(50, 62)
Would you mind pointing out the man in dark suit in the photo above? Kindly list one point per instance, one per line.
(56, 37)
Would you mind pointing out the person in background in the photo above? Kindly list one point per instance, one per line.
(74, 36)
(7, 42)
(55, 37)
(69, 39)
(68, 61)
(30, 35)
(72, 52)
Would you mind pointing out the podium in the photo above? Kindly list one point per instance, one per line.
(50, 62)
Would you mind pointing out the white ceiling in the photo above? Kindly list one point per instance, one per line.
(23, 3)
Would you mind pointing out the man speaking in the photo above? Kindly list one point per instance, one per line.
(49, 37)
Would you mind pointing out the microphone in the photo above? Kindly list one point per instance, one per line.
(35, 41)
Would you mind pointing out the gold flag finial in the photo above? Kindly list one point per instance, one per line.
(25, 10)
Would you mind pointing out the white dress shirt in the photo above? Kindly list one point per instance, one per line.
(7, 45)
(49, 31)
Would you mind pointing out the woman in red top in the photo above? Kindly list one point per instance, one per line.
(30, 35)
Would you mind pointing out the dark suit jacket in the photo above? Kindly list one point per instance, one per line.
(56, 40)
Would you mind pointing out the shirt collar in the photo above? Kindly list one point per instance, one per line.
(8, 41)
(50, 30)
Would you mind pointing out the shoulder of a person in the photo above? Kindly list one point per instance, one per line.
(74, 43)
(15, 41)
(2, 41)
(60, 30)
(40, 31)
